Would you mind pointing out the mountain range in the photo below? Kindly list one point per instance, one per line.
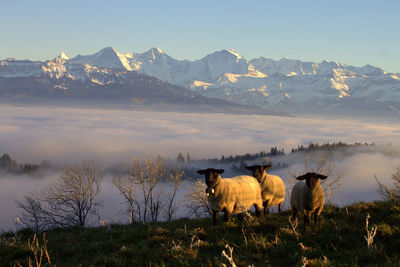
(279, 85)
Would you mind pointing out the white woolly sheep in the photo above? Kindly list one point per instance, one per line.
(308, 197)
(272, 187)
(231, 195)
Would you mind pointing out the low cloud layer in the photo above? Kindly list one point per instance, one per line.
(64, 135)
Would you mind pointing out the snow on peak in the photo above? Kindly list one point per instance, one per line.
(157, 50)
(233, 52)
(227, 53)
(152, 53)
(107, 57)
(109, 49)
(63, 56)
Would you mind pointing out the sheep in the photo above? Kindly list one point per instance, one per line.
(272, 187)
(308, 197)
(231, 195)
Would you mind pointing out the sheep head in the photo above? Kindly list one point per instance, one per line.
(211, 175)
(312, 178)
(258, 170)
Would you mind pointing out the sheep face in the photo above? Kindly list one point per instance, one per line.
(258, 170)
(312, 179)
(211, 176)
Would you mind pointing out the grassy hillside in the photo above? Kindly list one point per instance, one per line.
(270, 241)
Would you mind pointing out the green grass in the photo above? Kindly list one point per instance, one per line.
(269, 241)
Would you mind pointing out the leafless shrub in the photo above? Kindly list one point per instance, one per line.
(319, 163)
(40, 253)
(370, 235)
(179, 247)
(304, 261)
(196, 199)
(142, 192)
(244, 236)
(195, 242)
(68, 202)
(247, 217)
(229, 257)
(105, 224)
(294, 224)
(394, 192)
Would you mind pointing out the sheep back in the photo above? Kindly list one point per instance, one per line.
(236, 194)
(273, 189)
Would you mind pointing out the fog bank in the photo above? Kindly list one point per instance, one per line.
(66, 135)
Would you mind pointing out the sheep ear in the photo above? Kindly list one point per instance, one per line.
(266, 167)
(322, 177)
(219, 171)
(250, 168)
(201, 171)
(303, 177)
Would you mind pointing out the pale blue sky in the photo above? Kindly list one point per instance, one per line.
(351, 32)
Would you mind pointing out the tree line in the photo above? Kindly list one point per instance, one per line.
(275, 151)
(7, 164)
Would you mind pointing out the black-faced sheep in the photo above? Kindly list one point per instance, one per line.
(231, 195)
(272, 187)
(308, 197)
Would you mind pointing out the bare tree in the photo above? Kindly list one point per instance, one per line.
(68, 202)
(180, 157)
(127, 185)
(196, 199)
(33, 213)
(144, 193)
(394, 192)
(149, 174)
(175, 180)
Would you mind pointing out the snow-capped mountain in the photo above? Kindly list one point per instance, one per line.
(155, 62)
(64, 81)
(284, 84)
(326, 83)
(107, 57)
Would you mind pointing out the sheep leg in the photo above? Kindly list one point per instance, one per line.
(258, 210)
(227, 215)
(280, 207)
(307, 215)
(215, 217)
(316, 216)
(266, 207)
